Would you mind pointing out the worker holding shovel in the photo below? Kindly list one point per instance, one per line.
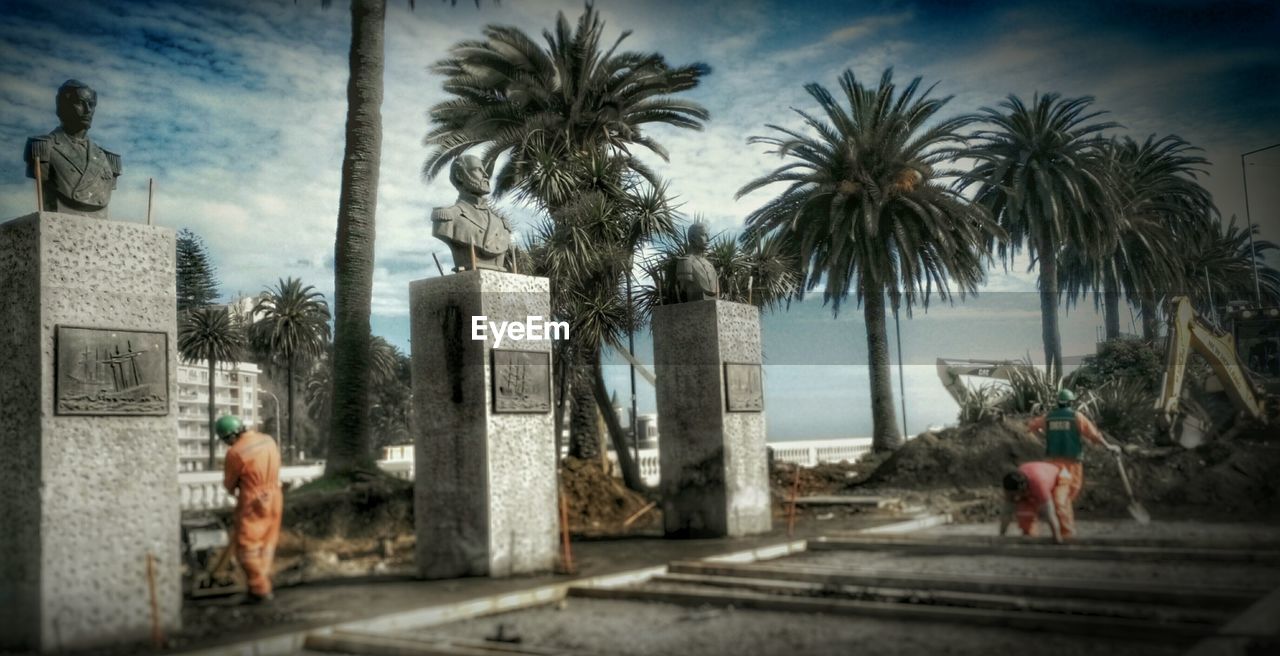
(1065, 430)
(252, 475)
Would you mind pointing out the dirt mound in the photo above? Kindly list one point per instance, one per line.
(976, 455)
(824, 479)
(599, 504)
(373, 507)
(961, 469)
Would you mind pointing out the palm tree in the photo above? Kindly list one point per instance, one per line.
(866, 211)
(210, 334)
(544, 106)
(585, 249)
(566, 116)
(763, 274)
(1042, 173)
(1218, 264)
(353, 244)
(1155, 195)
(292, 323)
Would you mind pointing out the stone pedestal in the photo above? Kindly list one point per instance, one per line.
(711, 441)
(485, 499)
(86, 496)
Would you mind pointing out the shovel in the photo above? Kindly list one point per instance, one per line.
(1135, 509)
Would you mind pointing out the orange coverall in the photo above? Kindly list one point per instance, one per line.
(253, 468)
(1065, 495)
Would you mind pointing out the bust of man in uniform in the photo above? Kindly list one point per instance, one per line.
(76, 174)
(477, 235)
(696, 278)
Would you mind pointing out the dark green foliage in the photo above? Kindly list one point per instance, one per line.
(764, 275)
(197, 280)
(1124, 360)
(211, 334)
(291, 328)
(1124, 409)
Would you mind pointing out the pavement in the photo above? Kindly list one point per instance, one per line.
(222, 626)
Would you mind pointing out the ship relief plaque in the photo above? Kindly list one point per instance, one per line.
(521, 381)
(110, 372)
(743, 387)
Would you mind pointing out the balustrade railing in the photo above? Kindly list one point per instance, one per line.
(203, 490)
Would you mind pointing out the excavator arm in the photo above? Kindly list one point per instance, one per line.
(1188, 332)
(951, 369)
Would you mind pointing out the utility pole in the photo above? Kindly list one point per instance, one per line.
(1244, 174)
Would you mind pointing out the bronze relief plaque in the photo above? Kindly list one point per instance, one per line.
(521, 381)
(110, 372)
(743, 387)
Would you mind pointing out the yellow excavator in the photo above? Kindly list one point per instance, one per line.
(1244, 359)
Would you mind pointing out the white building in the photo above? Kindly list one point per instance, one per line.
(236, 393)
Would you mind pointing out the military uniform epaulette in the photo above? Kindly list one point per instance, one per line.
(113, 160)
(40, 147)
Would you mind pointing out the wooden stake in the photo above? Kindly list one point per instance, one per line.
(151, 190)
(791, 505)
(638, 514)
(566, 557)
(39, 187)
(473, 257)
(157, 635)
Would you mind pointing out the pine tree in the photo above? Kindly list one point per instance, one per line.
(197, 281)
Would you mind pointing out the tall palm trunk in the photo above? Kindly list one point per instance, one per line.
(213, 409)
(349, 445)
(1111, 308)
(1049, 307)
(630, 469)
(884, 433)
(584, 429)
(292, 442)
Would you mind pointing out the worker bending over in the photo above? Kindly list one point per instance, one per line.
(1065, 430)
(1029, 492)
(252, 475)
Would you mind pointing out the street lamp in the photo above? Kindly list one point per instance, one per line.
(1244, 173)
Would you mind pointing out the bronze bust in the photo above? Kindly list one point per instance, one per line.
(478, 236)
(696, 278)
(76, 175)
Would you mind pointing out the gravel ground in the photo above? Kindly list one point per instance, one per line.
(1192, 574)
(1193, 533)
(628, 628)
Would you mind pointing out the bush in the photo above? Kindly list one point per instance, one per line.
(981, 403)
(1124, 359)
(1123, 408)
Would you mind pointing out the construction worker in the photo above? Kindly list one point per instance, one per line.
(1065, 430)
(252, 475)
(1029, 492)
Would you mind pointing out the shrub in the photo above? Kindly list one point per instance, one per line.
(1123, 408)
(1124, 358)
(981, 403)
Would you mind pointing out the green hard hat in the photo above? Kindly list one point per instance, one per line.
(228, 426)
(1066, 396)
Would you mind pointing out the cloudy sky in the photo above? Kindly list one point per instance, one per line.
(236, 109)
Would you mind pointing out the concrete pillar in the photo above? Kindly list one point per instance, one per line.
(714, 468)
(85, 495)
(484, 444)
